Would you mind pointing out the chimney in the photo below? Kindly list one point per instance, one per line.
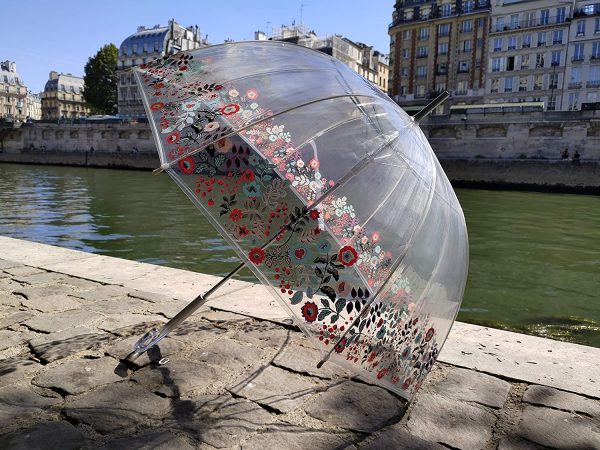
(53, 75)
(141, 28)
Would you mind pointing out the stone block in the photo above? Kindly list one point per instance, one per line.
(558, 429)
(356, 406)
(228, 354)
(23, 271)
(265, 335)
(123, 323)
(7, 264)
(220, 421)
(304, 359)
(53, 303)
(179, 377)
(19, 403)
(46, 435)
(197, 333)
(43, 291)
(102, 293)
(166, 347)
(41, 278)
(396, 438)
(59, 321)
(8, 299)
(16, 369)
(291, 437)
(78, 376)
(470, 386)
(553, 398)
(118, 305)
(277, 388)
(118, 408)
(152, 440)
(15, 318)
(10, 339)
(54, 346)
(451, 422)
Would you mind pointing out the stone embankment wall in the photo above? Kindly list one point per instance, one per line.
(509, 136)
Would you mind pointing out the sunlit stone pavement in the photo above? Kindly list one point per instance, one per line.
(243, 377)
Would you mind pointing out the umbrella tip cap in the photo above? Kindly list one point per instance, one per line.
(162, 168)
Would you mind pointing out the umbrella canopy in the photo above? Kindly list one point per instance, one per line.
(326, 189)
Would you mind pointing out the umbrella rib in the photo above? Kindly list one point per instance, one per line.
(154, 336)
(165, 166)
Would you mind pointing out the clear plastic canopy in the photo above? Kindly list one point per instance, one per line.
(327, 189)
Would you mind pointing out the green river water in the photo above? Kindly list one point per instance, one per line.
(534, 257)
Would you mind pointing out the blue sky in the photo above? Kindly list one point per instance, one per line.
(61, 35)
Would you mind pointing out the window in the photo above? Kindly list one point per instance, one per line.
(526, 42)
(575, 76)
(498, 44)
(529, 19)
(522, 84)
(538, 81)
(479, 42)
(440, 87)
(508, 84)
(512, 42)
(443, 48)
(424, 33)
(595, 50)
(597, 27)
(496, 64)
(463, 66)
(468, 5)
(461, 88)
(466, 46)
(422, 52)
(444, 29)
(539, 60)
(594, 75)
(405, 53)
(500, 24)
(524, 62)
(440, 69)
(421, 90)
(406, 35)
(541, 41)
(560, 14)
(494, 85)
(544, 16)
(578, 52)
(514, 21)
(553, 84)
(581, 28)
(481, 22)
(421, 71)
(405, 71)
(510, 63)
(557, 37)
(573, 101)
(556, 58)
(446, 9)
(466, 26)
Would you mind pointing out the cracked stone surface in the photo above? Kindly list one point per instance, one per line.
(118, 408)
(458, 424)
(220, 421)
(44, 436)
(232, 381)
(356, 406)
(469, 386)
(277, 389)
(80, 375)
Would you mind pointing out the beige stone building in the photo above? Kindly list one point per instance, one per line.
(62, 97)
(143, 46)
(383, 66)
(581, 87)
(13, 92)
(438, 45)
(34, 106)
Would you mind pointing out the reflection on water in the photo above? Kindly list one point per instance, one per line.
(535, 258)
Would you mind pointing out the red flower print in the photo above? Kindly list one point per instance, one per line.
(173, 137)
(211, 203)
(310, 311)
(252, 94)
(236, 215)
(429, 334)
(243, 231)
(187, 165)
(375, 237)
(372, 356)
(256, 255)
(182, 68)
(314, 214)
(339, 348)
(348, 255)
(248, 176)
(159, 85)
(382, 373)
(156, 106)
(230, 109)
(313, 164)
(218, 87)
(406, 384)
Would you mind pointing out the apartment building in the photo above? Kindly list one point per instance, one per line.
(143, 46)
(438, 45)
(62, 97)
(13, 91)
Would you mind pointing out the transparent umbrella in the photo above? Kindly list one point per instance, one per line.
(328, 192)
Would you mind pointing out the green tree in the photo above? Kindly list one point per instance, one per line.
(100, 81)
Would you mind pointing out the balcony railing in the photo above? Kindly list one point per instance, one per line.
(593, 83)
(436, 12)
(577, 59)
(529, 24)
(575, 85)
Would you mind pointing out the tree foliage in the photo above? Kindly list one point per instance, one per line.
(100, 81)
